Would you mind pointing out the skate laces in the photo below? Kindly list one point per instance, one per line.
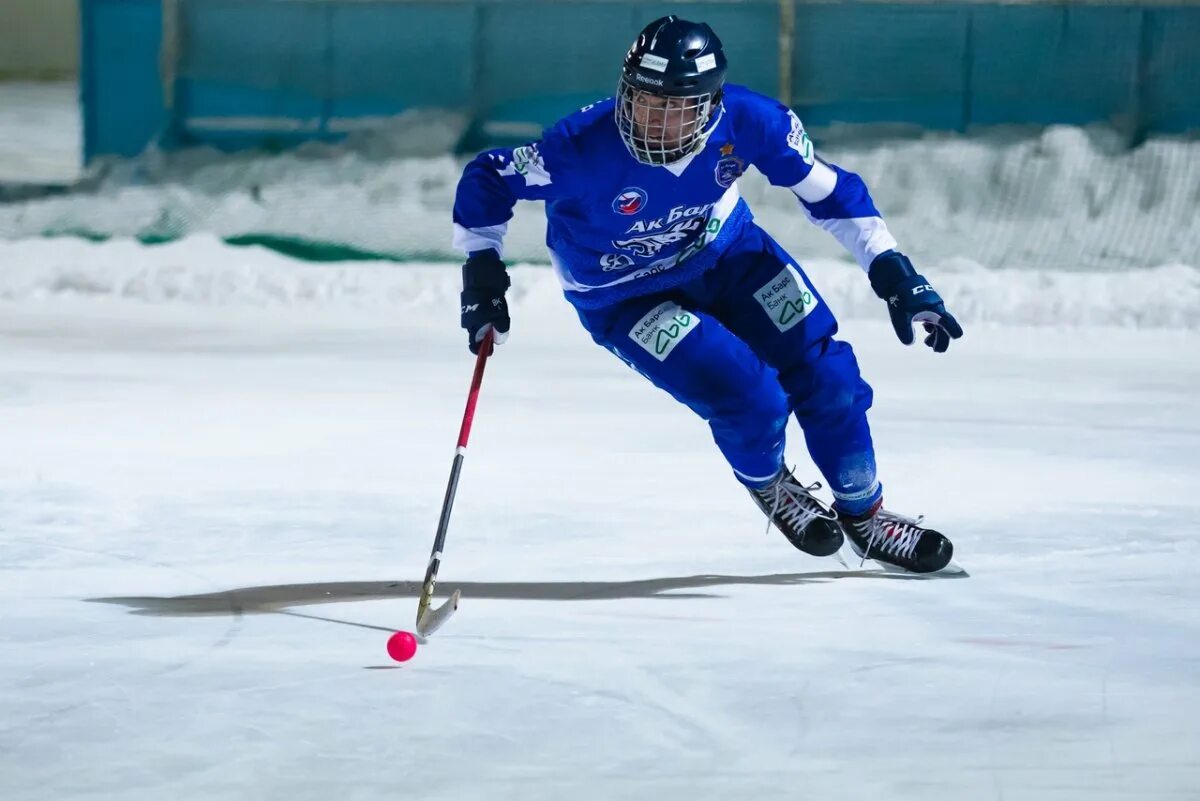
(794, 503)
(895, 534)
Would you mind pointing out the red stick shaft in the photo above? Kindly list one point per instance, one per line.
(485, 350)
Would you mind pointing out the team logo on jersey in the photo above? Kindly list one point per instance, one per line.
(630, 201)
(662, 329)
(652, 244)
(728, 170)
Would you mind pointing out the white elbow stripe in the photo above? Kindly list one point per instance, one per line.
(864, 237)
(491, 236)
(874, 238)
(817, 185)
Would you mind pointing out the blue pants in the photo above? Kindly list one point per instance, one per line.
(743, 345)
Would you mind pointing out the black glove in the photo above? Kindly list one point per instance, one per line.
(911, 299)
(483, 305)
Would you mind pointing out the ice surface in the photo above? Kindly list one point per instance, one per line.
(201, 420)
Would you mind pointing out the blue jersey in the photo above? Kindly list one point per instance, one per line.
(617, 228)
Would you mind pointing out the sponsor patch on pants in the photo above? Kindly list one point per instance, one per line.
(786, 298)
(662, 328)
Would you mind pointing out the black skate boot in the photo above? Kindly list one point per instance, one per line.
(807, 523)
(901, 541)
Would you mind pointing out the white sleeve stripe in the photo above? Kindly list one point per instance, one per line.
(864, 237)
(491, 236)
(817, 185)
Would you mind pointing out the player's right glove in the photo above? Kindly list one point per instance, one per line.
(483, 306)
(911, 299)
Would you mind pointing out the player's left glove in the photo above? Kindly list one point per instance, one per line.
(911, 299)
(484, 308)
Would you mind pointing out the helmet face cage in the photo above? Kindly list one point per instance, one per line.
(661, 129)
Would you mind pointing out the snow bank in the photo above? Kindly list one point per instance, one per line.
(204, 270)
(1065, 199)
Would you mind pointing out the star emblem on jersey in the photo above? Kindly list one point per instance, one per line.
(630, 201)
(727, 149)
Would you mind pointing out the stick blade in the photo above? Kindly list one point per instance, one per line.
(433, 619)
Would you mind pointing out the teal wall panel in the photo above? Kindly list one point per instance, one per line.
(265, 73)
(385, 56)
(880, 63)
(122, 94)
(237, 86)
(1053, 64)
(1171, 70)
(541, 60)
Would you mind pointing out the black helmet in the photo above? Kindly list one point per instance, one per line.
(670, 86)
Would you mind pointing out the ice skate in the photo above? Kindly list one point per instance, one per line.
(896, 540)
(807, 523)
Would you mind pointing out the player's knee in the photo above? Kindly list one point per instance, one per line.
(762, 417)
(756, 425)
(772, 406)
(836, 398)
(828, 386)
(763, 403)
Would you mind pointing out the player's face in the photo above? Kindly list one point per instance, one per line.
(665, 120)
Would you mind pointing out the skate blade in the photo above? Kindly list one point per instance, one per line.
(951, 570)
(853, 560)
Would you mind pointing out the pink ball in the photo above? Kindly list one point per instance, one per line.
(401, 646)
